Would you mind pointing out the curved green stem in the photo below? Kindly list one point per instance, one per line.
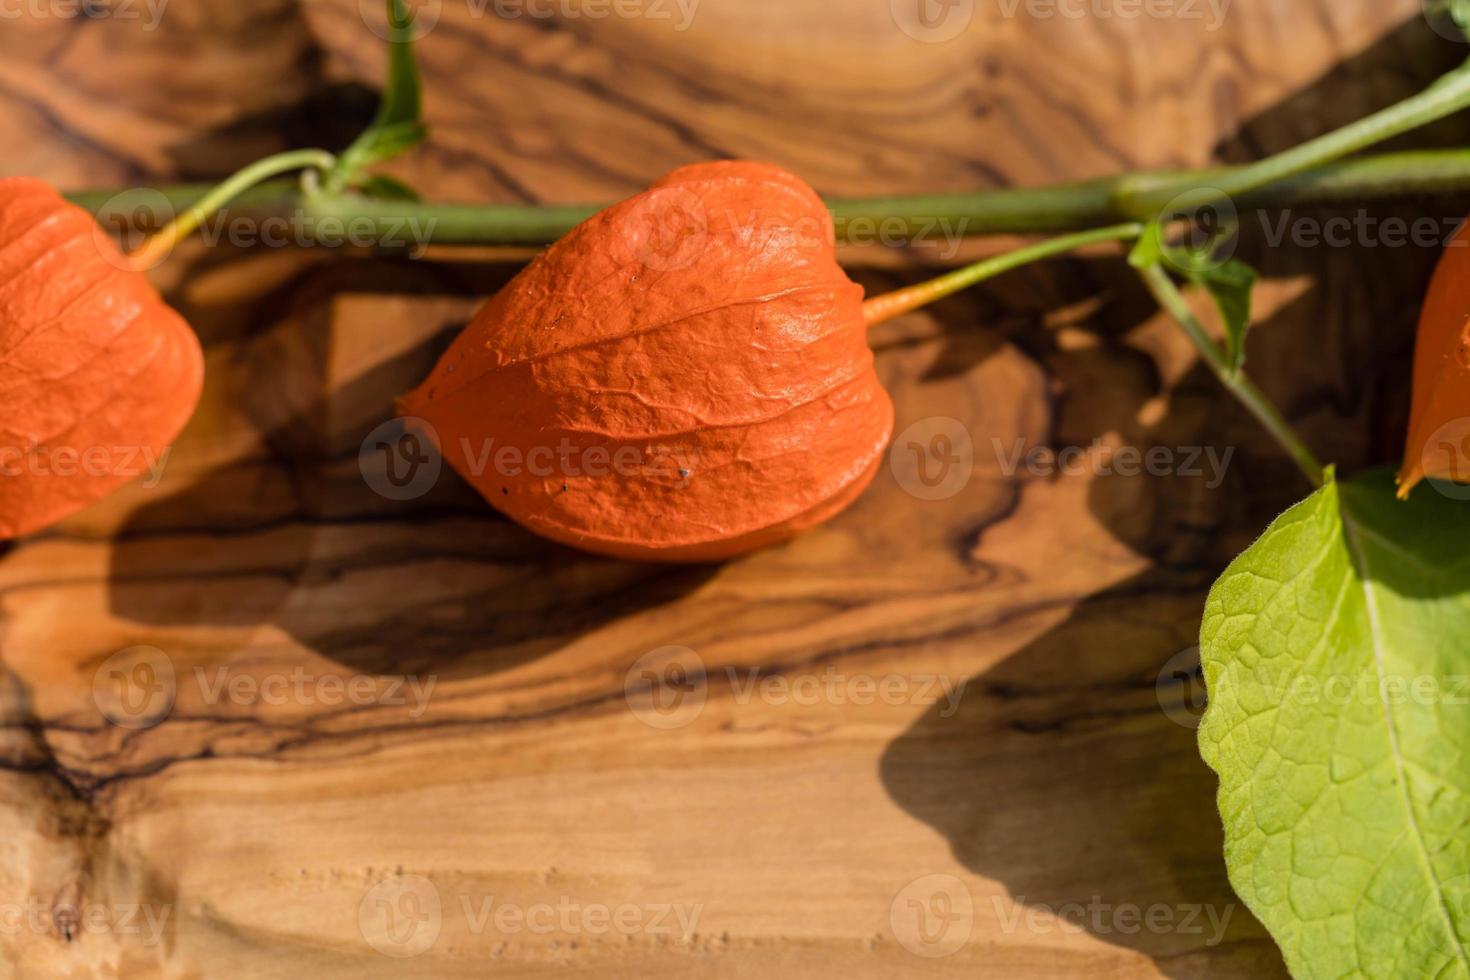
(1448, 95)
(1255, 400)
(158, 246)
(886, 307)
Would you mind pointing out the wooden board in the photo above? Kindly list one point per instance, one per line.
(259, 721)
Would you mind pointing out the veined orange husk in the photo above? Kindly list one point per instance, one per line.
(98, 374)
(1439, 422)
(702, 328)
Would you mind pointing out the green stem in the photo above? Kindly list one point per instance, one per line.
(1255, 400)
(886, 307)
(157, 247)
(451, 224)
(1042, 210)
(1448, 95)
(1445, 97)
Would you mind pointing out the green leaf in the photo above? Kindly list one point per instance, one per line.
(1150, 248)
(398, 126)
(403, 94)
(1336, 654)
(1231, 285)
(1229, 282)
(383, 143)
(386, 188)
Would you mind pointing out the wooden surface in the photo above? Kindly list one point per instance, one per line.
(798, 833)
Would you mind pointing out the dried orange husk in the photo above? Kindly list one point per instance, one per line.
(97, 373)
(1439, 422)
(703, 341)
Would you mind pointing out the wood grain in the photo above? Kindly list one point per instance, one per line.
(491, 757)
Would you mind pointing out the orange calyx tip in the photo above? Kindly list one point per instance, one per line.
(1410, 478)
(888, 306)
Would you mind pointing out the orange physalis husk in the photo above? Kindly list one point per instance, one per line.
(684, 377)
(98, 373)
(1439, 422)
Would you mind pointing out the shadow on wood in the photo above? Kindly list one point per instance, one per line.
(293, 535)
(1088, 728)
